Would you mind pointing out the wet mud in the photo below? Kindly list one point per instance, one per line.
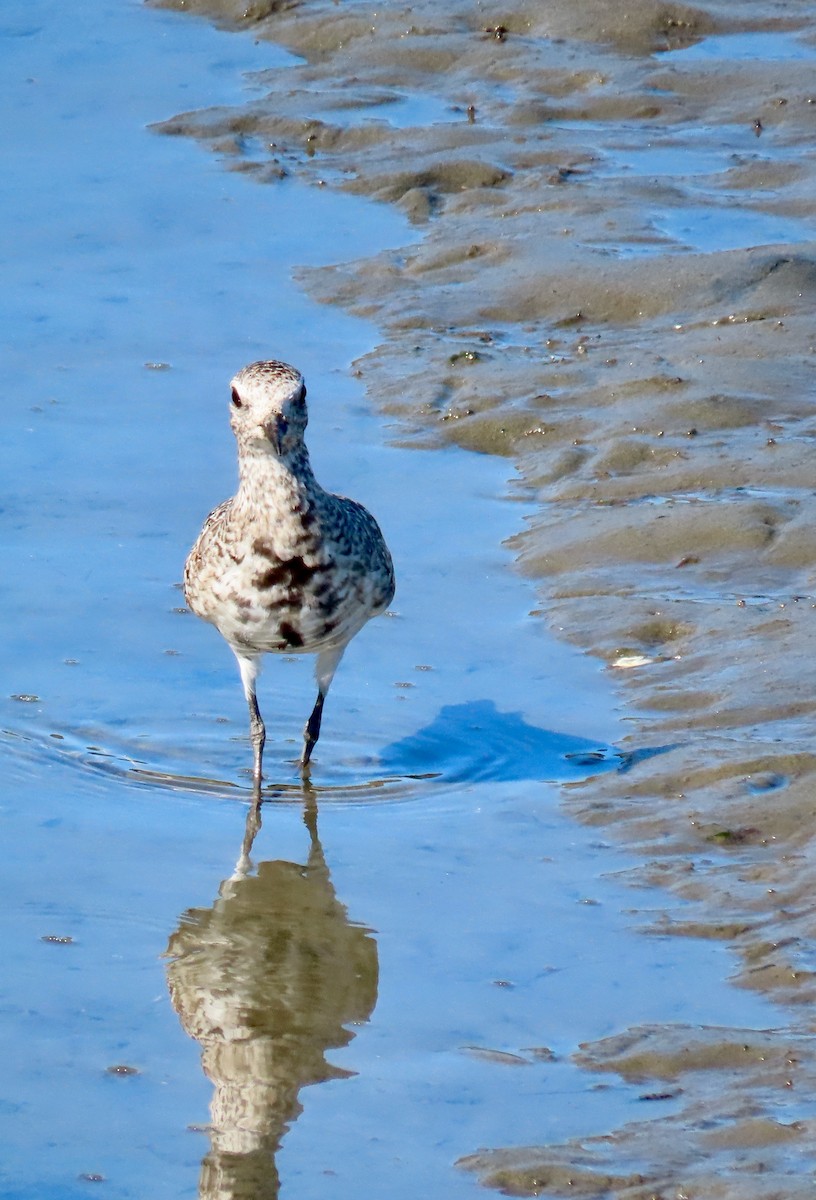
(613, 287)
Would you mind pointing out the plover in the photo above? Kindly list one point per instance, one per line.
(284, 566)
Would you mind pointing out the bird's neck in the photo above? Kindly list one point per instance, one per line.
(263, 475)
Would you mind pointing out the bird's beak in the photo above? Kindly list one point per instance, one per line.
(274, 430)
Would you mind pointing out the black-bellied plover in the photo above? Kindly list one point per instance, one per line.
(284, 566)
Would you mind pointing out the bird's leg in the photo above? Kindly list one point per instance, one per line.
(312, 731)
(257, 735)
(257, 731)
(325, 667)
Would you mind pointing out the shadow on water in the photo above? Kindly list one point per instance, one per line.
(266, 980)
(476, 743)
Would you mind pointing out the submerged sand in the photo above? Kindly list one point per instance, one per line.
(587, 298)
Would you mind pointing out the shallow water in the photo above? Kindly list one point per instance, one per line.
(770, 46)
(699, 204)
(484, 925)
(402, 110)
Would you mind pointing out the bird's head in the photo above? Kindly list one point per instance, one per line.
(268, 407)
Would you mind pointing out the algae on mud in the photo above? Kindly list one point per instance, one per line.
(568, 308)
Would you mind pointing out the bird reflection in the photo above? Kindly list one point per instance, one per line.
(266, 980)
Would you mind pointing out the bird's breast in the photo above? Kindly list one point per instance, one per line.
(290, 577)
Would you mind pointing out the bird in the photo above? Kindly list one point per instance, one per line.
(284, 567)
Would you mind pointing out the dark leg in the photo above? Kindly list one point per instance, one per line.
(325, 667)
(312, 731)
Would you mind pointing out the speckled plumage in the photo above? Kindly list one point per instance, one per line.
(284, 566)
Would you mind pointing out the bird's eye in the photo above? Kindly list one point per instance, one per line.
(236, 399)
(283, 424)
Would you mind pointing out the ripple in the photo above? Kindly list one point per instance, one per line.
(351, 778)
(468, 743)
